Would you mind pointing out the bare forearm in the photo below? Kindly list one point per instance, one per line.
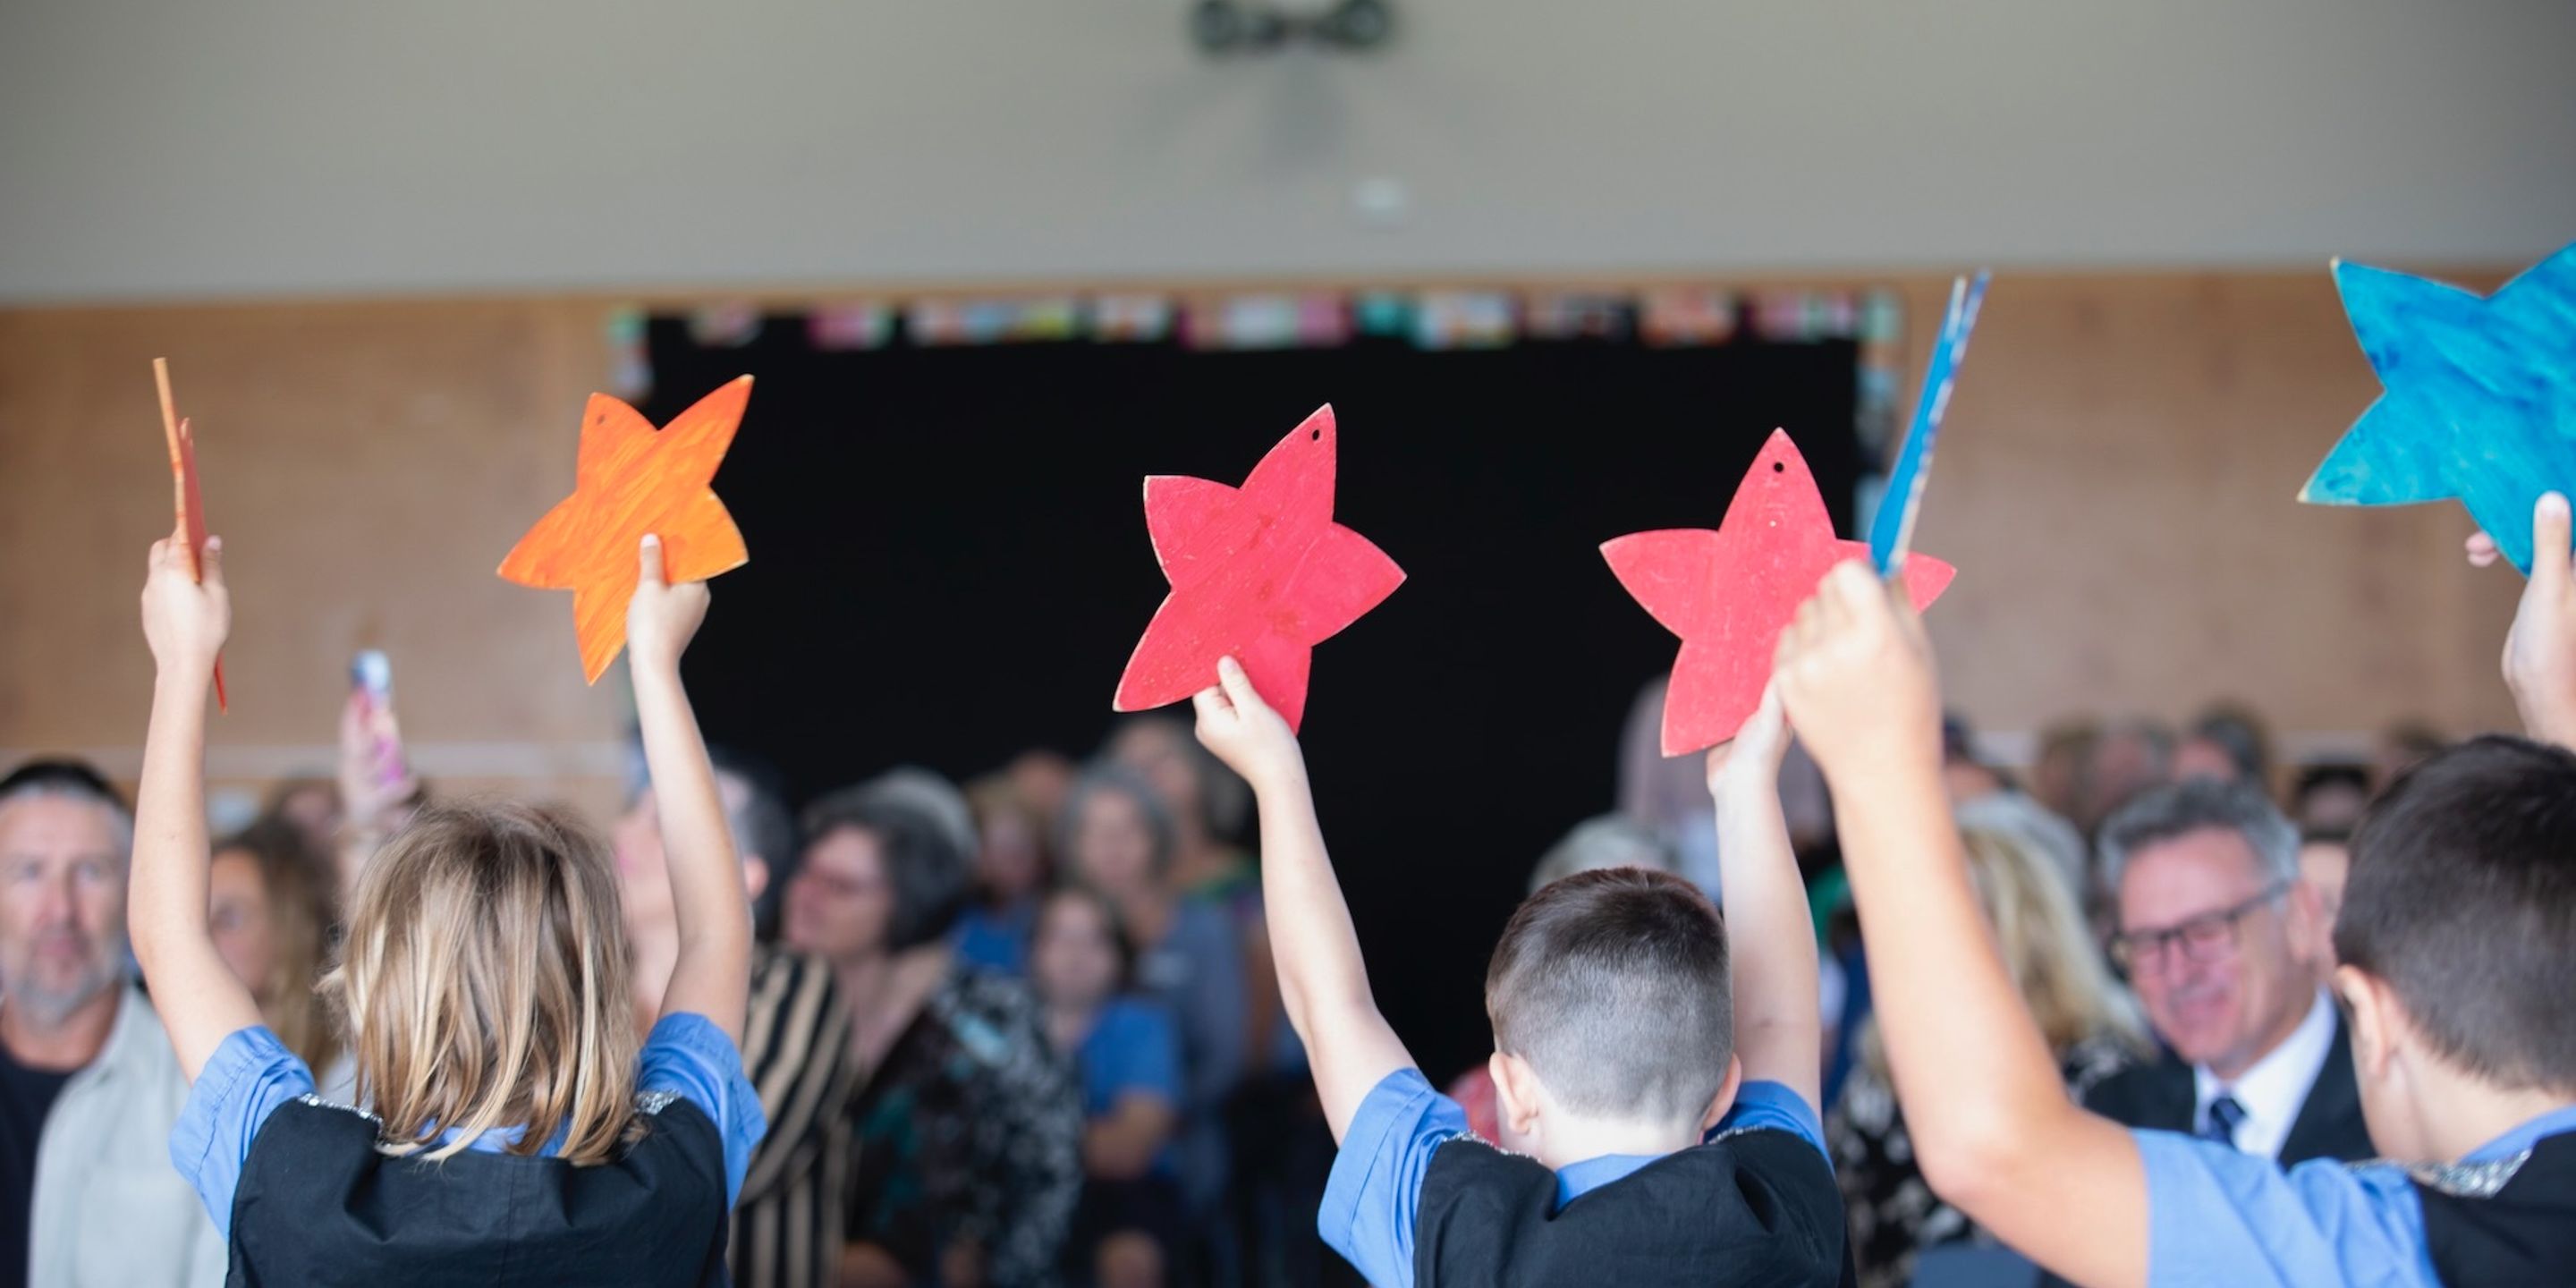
(712, 975)
(1122, 1146)
(198, 998)
(1323, 981)
(1937, 980)
(1769, 938)
(1984, 1102)
(167, 903)
(1312, 943)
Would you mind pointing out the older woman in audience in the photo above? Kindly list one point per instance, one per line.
(2092, 1026)
(273, 907)
(1202, 800)
(1117, 838)
(968, 1127)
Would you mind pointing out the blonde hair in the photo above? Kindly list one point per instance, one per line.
(2045, 946)
(484, 982)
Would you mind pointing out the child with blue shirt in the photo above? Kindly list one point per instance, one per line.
(1128, 1053)
(514, 1131)
(2457, 943)
(1667, 1094)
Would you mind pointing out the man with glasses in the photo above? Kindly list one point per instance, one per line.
(2221, 940)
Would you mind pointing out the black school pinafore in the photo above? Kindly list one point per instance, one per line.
(318, 1204)
(2507, 1223)
(1750, 1209)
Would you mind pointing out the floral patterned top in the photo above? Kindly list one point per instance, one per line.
(970, 1132)
(1894, 1215)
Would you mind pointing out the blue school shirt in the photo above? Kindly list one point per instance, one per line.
(1132, 1049)
(2217, 1216)
(997, 940)
(253, 1073)
(1375, 1190)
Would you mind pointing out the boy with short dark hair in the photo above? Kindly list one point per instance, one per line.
(2458, 944)
(1662, 1095)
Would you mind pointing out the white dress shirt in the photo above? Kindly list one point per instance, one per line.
(2275, 1088)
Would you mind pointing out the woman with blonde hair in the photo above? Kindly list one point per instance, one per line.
(516, 1131)
(2091, 1024)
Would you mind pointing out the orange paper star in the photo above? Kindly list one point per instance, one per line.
(631, 480)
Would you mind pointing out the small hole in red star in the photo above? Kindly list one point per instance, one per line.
(1317, 435)
(1779, 467)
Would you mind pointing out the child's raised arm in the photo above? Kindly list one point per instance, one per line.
(2540, 650)
(200, 1001)
(1770, 936)
(1984, 1103)
(712, 976)
(1323, 983)
(374, 795)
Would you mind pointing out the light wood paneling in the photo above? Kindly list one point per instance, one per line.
(2116, 487)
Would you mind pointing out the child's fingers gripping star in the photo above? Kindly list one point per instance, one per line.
(2540, 649)
(1854, 673)
(662, 617)
(1240, 727)
(185, 620)
(1751, 759)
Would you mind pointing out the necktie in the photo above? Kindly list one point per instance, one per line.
(2225, 1116)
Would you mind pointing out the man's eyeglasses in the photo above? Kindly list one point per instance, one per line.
(2204, 938)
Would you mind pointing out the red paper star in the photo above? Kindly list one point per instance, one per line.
(632, 479)
(1729, 593)
(1262, 573)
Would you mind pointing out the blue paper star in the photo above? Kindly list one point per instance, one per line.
(2480, 399)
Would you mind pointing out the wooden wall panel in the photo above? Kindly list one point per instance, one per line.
(366, 464)
(2116, 487)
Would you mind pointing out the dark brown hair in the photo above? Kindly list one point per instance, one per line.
(1122, 945)
(2463, 898)
(1613, 985)
(923, 866)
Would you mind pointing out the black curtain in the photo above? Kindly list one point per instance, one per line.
(949, 564)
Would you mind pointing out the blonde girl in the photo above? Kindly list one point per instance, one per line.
(515, 1130)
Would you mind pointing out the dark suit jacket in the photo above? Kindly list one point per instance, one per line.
(2159, 1096)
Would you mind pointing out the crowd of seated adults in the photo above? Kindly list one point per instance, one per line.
(1020, 1034)
(1027, 1032)
(2164, 901)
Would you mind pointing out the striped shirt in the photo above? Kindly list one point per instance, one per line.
(787, 1227)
